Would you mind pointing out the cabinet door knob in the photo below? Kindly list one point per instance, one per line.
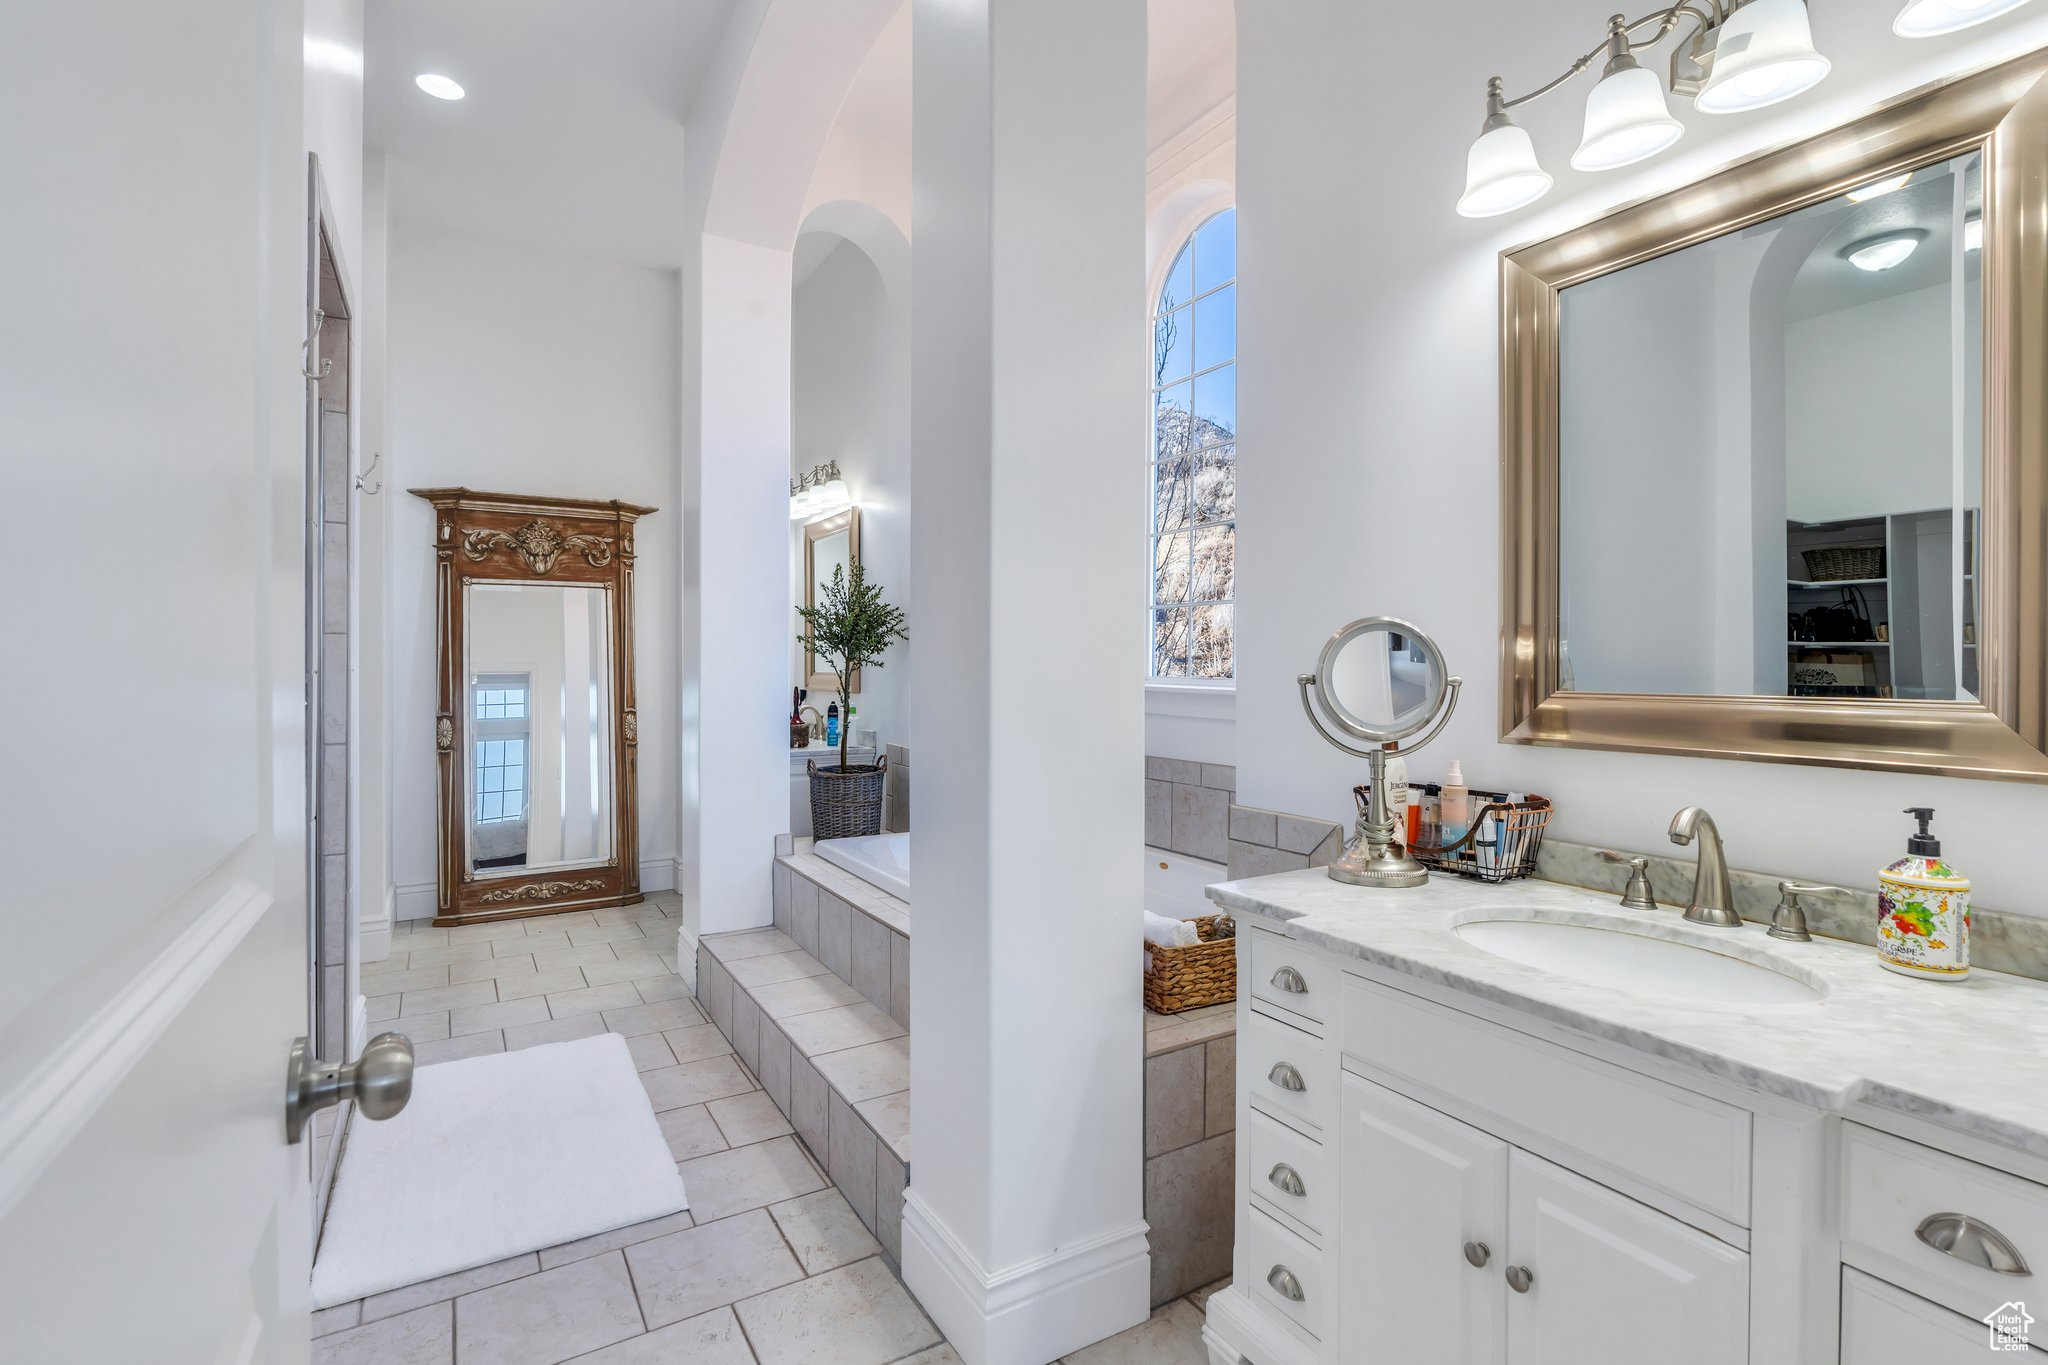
(1291, 981)
(1520, 1278)
(1287, 1179)
(1284, 1284)
(1286, 1077)
(1972, 1242)
(1477, 1253)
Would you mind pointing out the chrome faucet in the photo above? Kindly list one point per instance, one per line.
(1710, 898)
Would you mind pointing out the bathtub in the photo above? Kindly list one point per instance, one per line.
(1173, 882)
(880, 860)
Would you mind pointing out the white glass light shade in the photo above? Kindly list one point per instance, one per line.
(440, 87)
(1501, 174)
(833, 496)
(1626, 121)
(1884, 251)
(1930, 18)
(1763, 54)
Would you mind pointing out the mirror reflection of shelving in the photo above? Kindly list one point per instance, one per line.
(1873, 606)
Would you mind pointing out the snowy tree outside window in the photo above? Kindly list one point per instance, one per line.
(1194, 458)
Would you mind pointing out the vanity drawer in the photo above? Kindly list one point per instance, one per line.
(1290, 977)
(1282, 1161)
(1563, 1104)
(1285, 1071)
(1884, 1325)
(1890, 1186)
(1285, 1272)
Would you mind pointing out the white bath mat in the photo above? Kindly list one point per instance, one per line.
(495, 1156)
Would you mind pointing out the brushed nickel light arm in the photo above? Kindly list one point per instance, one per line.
(1705, 21)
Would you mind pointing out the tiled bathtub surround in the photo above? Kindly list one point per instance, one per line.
(1999, 941)
(860, 933)
(1190, 1146)
(1187, 806)
(1263, 841)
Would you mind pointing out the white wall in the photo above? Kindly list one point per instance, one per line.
(850, 402)
(1372, 391)
(519, 371)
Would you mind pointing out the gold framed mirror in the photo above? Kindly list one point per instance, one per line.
(829, 543)
(1679, 520)
(536, 724)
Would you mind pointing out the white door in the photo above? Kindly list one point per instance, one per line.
(152, 782)
(1418, 1187)
(1613, 1282)
(1884, 1325)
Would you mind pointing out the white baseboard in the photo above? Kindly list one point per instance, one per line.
(1235, 1329)
(373, 931)
(1027, 1314)
(658, 874)
(420, 900)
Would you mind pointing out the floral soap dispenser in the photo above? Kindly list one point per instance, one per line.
(1923, 910)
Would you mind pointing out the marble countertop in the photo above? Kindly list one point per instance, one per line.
(1971, 1054)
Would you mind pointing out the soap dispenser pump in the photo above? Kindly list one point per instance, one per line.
(1923, 910)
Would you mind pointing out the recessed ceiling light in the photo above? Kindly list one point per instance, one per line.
(1883, 251)
(1973, 234)
(1878, 187)
(440, 87)
(1928, 18)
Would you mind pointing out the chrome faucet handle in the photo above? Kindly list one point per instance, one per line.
(1637, 895)
(1788, 921)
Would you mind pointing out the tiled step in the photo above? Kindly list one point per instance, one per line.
(836, 1066)
(860, 933)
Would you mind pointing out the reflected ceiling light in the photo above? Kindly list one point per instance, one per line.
(1930, 18)
(1764, 54)
(1878, 187)
(1885, 250)
(1626, 117)
(440, 87)
(1973, 234)
(1735, 56)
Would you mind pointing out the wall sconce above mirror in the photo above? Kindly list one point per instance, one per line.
(1775, 453)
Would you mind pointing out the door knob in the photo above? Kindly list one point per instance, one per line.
(379, 1081)
(1477, 1253)
(1519, 1278)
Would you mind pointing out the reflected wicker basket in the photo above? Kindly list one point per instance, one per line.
(1205, 973)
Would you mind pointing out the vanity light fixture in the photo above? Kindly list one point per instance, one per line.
(1878, 188)
(820, 493)
(1741, 54)
(1885, 250)
(440, 87)
(1931, 18)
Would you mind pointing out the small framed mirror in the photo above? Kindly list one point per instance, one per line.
(830, 543)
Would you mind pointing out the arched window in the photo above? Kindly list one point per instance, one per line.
(1194, 457)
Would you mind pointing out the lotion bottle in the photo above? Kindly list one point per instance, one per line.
(1396, 795)
(832, 725)
(1923, 910)
(1454, 805)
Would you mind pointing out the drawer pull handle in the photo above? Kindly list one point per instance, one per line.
(1286, 1077)
(1972, 1242)
(1520, 1278)
(1478, 1253)
(1291, 981)
(1284, 1284)
(1288, 1180)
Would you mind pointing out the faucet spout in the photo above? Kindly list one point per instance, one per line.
(1711, 901)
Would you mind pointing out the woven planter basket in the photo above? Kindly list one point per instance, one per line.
(847, 804)
(1204, 973)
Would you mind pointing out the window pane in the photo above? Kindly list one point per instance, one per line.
(1170, 347)
(1216, 251)
(1170, 568)
(1171, 494)
(1215, 564)
(1170, 643)
(1216, 328)
(1179, 287)
(1211, 647)
(1216, 406)
(1215, 484)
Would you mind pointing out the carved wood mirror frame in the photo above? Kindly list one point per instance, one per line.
(501, 537)
(2002, 112)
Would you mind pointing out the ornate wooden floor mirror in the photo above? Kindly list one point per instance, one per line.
(536, 730)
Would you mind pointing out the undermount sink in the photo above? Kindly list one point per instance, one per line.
(1624, 960)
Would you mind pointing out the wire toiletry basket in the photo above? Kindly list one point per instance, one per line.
(1501, 844)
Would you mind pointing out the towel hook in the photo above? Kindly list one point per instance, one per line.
(306, 351)
(367, 492)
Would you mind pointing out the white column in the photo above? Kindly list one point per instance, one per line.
(737, 620)
(1023, 1231)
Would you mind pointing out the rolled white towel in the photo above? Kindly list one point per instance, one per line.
(1171, 933)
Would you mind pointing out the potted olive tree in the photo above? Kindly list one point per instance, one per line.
(849, 630)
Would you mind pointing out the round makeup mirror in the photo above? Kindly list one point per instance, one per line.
(1381, 679)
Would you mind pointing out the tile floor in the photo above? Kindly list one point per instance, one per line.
(770, 1265)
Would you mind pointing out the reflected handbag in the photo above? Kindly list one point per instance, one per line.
(1846, 620)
